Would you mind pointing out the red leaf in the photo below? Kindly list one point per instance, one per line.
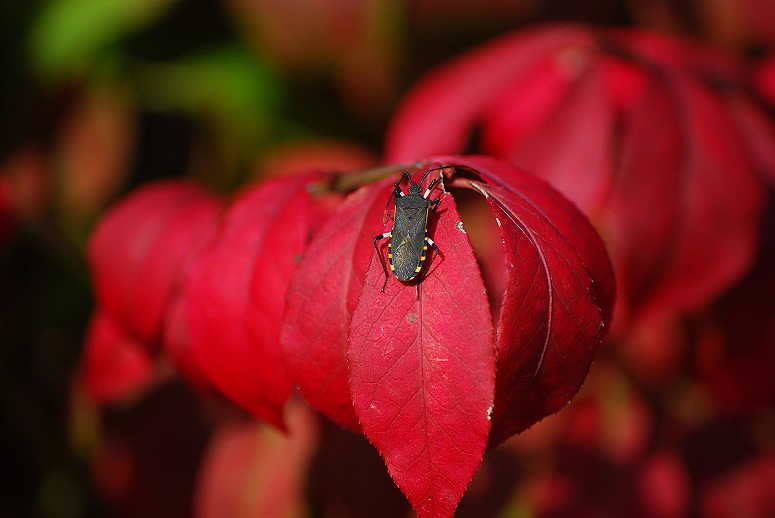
(562, 214)
(478, 78)
(764, 78)
(235, 294)
(559, 294)
(252, 470)
(176, 345)
(422, 371)
(115, 365)
(664, 485)
(321, 298)
(140, 247)
(758, 130)
(747, 491)
(575, 156)
(709, 202)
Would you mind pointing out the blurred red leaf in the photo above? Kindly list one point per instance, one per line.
(422, 371)
(235, 293)
(252, 470)
(478, 77)
(176, 345)
(735, 356)
(764, 78)
(707, 202)
(747, 491)
(664, 486)
(140, 248)
(114, 364)
(548, 138)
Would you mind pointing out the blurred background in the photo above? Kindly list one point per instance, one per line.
(97, 98)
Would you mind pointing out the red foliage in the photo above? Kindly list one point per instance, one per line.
(735, 358)
(764, 78)
(235, 292)
(653, 138)
(414, 367)
(115, 365)
(251, 469)
(657, 141)
(748, 491)
(323, 294)
(138, 255)
(559, 295)
(139, 248)
(421, 372)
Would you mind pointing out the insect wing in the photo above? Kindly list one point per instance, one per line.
(406, 259)
(408, 242)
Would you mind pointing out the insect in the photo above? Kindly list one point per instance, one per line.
(409, 241)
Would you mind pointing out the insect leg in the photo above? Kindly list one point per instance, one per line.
(382, 259)
(430, 186)
(433, 245)
(397, 193)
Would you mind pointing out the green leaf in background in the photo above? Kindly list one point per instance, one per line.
(227, 86)
(68, 34)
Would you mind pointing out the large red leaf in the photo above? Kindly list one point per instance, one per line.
(559, 295)
(422, 370)
(235, 294)
(560, 213)
(321, 298)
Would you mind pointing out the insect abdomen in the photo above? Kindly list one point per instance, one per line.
(406, 259)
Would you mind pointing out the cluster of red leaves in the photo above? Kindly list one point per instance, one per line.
(137, 255)
(282, 288)
(667, 149)
(655, 140)
(662, 146)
